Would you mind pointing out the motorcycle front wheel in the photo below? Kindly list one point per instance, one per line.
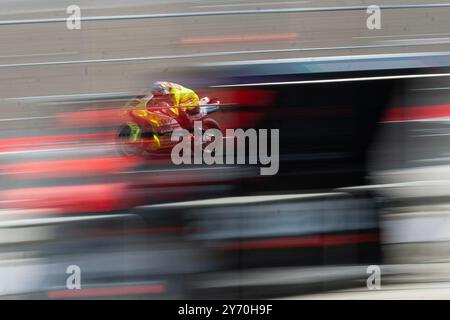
(125, 146)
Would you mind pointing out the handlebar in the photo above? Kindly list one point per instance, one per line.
(210, 108)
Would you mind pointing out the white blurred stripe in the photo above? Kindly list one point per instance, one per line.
(331, 58)
(408, 76)
(403, 35)
(241, 200)
(54, 220)
(413, 228)
(410, 291)
(431, 89)
(24, 118)
(414, 42)
(257, 4)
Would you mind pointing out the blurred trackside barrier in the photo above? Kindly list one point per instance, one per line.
(266, 235)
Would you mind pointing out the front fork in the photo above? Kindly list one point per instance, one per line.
(135, 131)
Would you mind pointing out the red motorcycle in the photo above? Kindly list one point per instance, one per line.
(150, 124)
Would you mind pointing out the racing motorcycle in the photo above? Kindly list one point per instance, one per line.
(150, 124)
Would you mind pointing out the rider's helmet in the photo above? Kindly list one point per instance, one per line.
(160, 88)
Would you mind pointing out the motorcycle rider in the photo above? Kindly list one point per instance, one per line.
(178, 102)
(184, 102)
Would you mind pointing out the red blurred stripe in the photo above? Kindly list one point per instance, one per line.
(72, 199)
(417, 113)
(111, 291)
(67, 168)
(26, 143)
(92, 118)
(243, 97)
(304, 241)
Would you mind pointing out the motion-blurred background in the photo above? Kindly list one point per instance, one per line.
(364, 157)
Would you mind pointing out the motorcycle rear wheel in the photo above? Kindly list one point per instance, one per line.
(209, 123)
